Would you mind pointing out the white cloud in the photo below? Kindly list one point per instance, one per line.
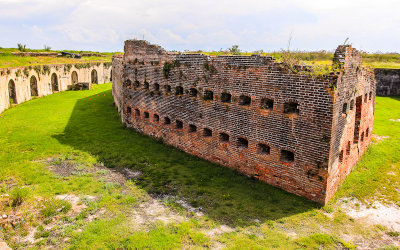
(189, 24)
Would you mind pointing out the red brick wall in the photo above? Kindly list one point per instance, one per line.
(306, 134)
(354, 82)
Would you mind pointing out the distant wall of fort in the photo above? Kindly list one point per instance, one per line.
(21, 84)
(387, 82)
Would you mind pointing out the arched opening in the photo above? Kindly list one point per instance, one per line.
(74, 78)
(34, 87)
(11, 92)
(94, 77)
(54, 82)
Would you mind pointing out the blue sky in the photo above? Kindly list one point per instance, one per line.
(103, 25)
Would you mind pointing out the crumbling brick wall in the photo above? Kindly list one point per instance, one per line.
(248, 113)
(353, 115)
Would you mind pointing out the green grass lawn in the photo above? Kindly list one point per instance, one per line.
(323, 58)
(84, 128)
(8, 60)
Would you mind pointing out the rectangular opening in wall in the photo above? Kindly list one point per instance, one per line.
(207, 132)
(291, 108)
(146, 115)
(167, 88)
(344, 109)
(362, 136)
(226, 97)
(136, 84)
(192, 128)
(367, 132)
(137, 113)
(146, 85)
(242, 143)
(263, 149)
(179, 124)
(156, 118)
(370, 95)
(358, 119)
(208, 95)
(156, 87)
(351, 104)
(128, 110)
(267, 103)
(223, 137)
(167, 121)
(244, 100)
(127, 83)
(287, 156)
(178, 90)
(348, 148)
(341, 156)
(193, 92)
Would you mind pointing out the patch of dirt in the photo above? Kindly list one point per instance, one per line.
(219, 230)
(62, 168)
(380, 241)
(375, 214)
(378, 138)
(76, 204)
(170, 198)
(151, 211)
(65, 168)
(3, 245)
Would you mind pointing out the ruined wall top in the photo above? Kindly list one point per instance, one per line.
(143, 50)
(347, 57)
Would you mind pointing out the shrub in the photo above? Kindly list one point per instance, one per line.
(21, 47)
(18, 195)
(53, 207)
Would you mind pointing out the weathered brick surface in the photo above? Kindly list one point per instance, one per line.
(149, 83)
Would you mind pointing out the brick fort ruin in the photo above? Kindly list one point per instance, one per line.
(297, 131)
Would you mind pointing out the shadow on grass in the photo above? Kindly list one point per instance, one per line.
(223, 195)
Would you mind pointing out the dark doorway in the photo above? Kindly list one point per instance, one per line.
(74, 78)
(54, 82)
(12, 92)
(357, 120)
(94, 77)
(34, 86)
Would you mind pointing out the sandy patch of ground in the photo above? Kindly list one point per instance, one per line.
(151, 211)
(3, 245)
(219, 230)
(375, 214)
(378, 138)
(76, 204)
